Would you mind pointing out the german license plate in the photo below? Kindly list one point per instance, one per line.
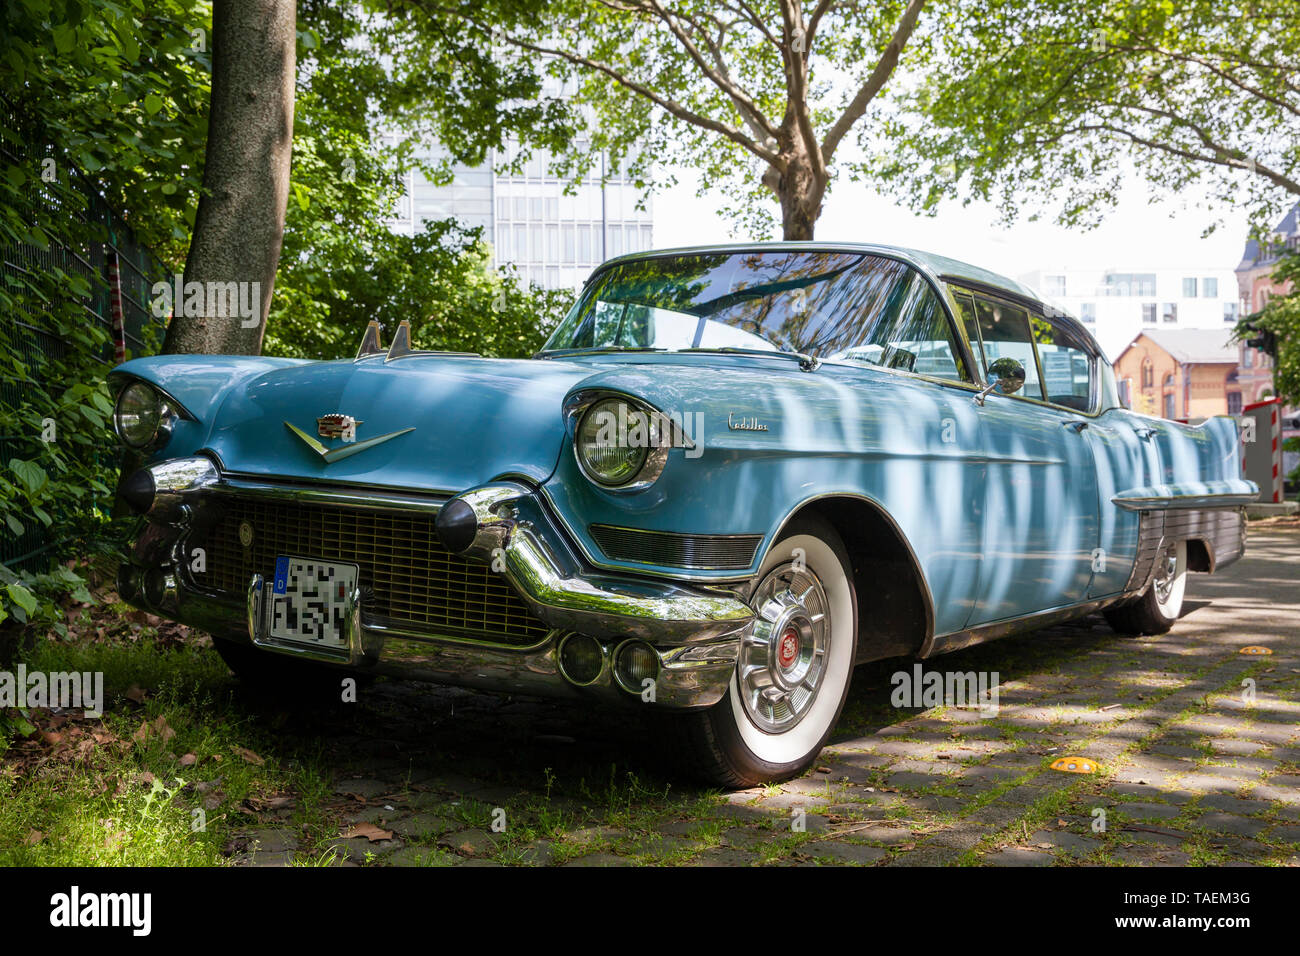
(309, 601)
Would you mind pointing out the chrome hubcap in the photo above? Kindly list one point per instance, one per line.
(1166, 573)
(783, 660)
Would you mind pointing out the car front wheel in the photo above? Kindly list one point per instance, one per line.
(793, 672)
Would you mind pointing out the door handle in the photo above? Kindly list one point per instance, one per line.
(1144, 433)
(1075, 426)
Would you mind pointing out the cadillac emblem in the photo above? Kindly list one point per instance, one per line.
(337, 425)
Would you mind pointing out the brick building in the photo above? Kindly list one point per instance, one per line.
(1181, 373)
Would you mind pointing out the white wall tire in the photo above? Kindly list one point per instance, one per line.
(1158, 608)
(758, 736)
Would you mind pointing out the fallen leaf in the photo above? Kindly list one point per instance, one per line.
(135, 693)
(823, 769)
(159, 729)
(188, 760)
(33, 838)
(368, 830)
(249, 757)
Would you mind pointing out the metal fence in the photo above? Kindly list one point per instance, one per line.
(92, 236)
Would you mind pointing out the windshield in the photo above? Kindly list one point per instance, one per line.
(838, 306)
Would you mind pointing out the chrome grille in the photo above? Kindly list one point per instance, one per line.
(406, 574)
(715, 552)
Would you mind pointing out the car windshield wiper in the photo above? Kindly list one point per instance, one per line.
(807, 362)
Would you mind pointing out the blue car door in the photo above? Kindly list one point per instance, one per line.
(1041, 515)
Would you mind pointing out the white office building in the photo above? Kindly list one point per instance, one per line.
(550, 238)
(1117, 304)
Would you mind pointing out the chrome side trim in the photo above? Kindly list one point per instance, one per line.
(1176, 502)
(957, 640)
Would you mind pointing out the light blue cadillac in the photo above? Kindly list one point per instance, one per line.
(731, 474)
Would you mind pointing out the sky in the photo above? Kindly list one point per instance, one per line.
(1135, 235)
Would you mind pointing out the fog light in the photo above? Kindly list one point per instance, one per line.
(635, 663)
(159, 588)
(582, 659)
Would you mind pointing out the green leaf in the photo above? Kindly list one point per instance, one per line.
(22, 597)
(153, 103)
(32, 475)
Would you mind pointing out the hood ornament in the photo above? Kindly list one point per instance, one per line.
(338, 425)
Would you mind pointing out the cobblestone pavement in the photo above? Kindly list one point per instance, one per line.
(1190, 771)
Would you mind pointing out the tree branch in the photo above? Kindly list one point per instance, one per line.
(743, 102)
(796, 66)
(1219, 158)
(875, 82)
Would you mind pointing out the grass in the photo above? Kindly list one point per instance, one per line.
(165, 780)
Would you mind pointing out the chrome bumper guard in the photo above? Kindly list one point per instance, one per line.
(694, 632)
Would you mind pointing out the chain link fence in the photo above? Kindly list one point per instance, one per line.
(90, 237)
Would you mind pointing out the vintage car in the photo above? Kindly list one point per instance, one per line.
(731, 474)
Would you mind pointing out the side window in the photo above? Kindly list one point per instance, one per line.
(1067, 365)
(912, 333)
(1004, 333)
(966, 309)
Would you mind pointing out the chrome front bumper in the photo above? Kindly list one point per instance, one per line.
(694, 632)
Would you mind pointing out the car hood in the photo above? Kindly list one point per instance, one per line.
(455, 421)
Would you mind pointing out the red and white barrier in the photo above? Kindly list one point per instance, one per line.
(1261, 460)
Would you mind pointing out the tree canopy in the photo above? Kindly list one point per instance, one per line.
(757, 96)
(1036, 103)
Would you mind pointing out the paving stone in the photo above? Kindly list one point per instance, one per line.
(1235, 746)
(600, 859)
(270, 841)
(1151, 856)
(366, 787)
(1019, 856)
(1270, 791)
(1148, 811)
(469, 842)
(1230, 823)
(849, 852)
(421, 825)
(1074, 844)
(723, 856)
(1285, 834)
(359, 849)
(420, 856)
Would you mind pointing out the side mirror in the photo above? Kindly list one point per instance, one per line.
(1008, 377)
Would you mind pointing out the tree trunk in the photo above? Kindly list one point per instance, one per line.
(800, 192)
(239, 224)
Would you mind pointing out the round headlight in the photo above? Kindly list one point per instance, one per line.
(138, 414)
(613, 440)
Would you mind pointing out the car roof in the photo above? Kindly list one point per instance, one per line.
(937, 267)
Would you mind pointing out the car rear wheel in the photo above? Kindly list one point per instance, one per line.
(1157, 609)
(793, 672)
